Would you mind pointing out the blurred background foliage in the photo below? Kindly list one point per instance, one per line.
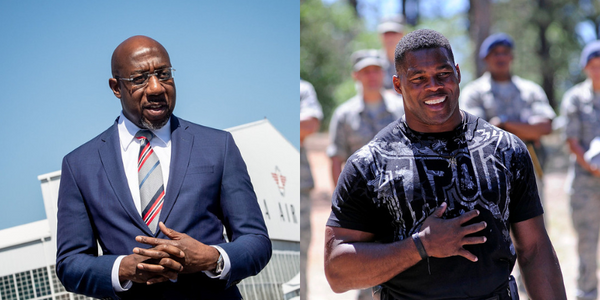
(548, 34)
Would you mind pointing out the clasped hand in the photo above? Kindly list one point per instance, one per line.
(446, 237)
(167, 258)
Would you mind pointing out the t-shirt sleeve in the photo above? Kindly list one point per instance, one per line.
(338, 138)
(471, 102)
(352, 206)
(540, 105)
(524, 198)
(570, 112)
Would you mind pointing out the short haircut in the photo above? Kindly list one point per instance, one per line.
(417, 40)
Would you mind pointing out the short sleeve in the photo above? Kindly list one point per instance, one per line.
(338, 139)
(471, 102)
(540, 106)
(570, 112)
(352, 206)
(524, 198)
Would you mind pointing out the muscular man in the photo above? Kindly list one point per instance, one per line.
(426, 210)
(154, 179)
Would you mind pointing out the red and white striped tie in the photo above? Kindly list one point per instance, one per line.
(152, 192)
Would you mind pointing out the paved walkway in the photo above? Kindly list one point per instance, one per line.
(557, 209)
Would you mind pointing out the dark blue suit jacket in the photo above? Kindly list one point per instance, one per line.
(208, 188)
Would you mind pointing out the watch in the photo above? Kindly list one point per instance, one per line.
(220, 265)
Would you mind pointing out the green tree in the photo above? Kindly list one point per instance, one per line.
(547, 46)
(329, 34)
(325, 32)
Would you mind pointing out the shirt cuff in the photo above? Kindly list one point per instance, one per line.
(115, 277)
(226, 267)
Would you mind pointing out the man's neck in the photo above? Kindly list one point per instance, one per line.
(501, 77)
(372, 96)
(415, 124)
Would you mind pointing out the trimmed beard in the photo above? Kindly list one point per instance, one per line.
(154, 126)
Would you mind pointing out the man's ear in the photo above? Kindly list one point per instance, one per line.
(114, 86)
(397, 86)
(458, 73)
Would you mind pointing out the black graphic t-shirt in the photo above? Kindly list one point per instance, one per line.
(391, 185)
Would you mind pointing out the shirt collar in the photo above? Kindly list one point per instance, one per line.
(127, 131)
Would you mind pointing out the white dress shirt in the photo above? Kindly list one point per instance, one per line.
(130, 148)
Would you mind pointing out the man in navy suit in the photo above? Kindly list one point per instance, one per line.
(206, 189)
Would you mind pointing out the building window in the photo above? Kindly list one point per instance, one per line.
(58, 287)
(267, 284)
(25, 285)
(63, 297)
(7, 288)
(41, 281)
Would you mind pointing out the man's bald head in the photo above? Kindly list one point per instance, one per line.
(147, 102)
(131, 46)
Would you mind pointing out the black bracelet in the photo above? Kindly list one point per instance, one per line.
(420, 247)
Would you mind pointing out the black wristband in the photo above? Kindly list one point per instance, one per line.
(420, 247)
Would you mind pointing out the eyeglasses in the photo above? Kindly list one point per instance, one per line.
(142, 79)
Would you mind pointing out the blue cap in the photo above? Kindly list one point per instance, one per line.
(498, 39)
(590, 51)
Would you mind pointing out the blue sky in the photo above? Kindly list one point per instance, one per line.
(236, 61)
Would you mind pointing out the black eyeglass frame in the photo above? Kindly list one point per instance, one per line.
(146, 76)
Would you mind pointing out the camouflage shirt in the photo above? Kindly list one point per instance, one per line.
(309, 108)
(518, 100)
(352, 127)
(581, 109)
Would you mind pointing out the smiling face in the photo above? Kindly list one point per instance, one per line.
(428, 81)
(149, 105)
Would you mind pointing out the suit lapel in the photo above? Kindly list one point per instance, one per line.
(110, 154)
(181, 150)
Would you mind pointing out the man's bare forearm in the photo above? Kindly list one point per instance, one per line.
(336, 169)
(353, 260)
(365, 264)
(542, 274)
(538, 262)
(528, 132)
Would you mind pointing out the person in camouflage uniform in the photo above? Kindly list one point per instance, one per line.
(311, 115)
(391, 30)
(355, 122)
(510, 102)
(581, 109)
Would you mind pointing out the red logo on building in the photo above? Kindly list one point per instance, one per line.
(279, 180)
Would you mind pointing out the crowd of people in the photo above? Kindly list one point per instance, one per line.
(439, 192)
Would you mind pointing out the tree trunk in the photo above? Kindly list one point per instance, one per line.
(354, 4)
(410, 11)
(480, 15)
(544, 53)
